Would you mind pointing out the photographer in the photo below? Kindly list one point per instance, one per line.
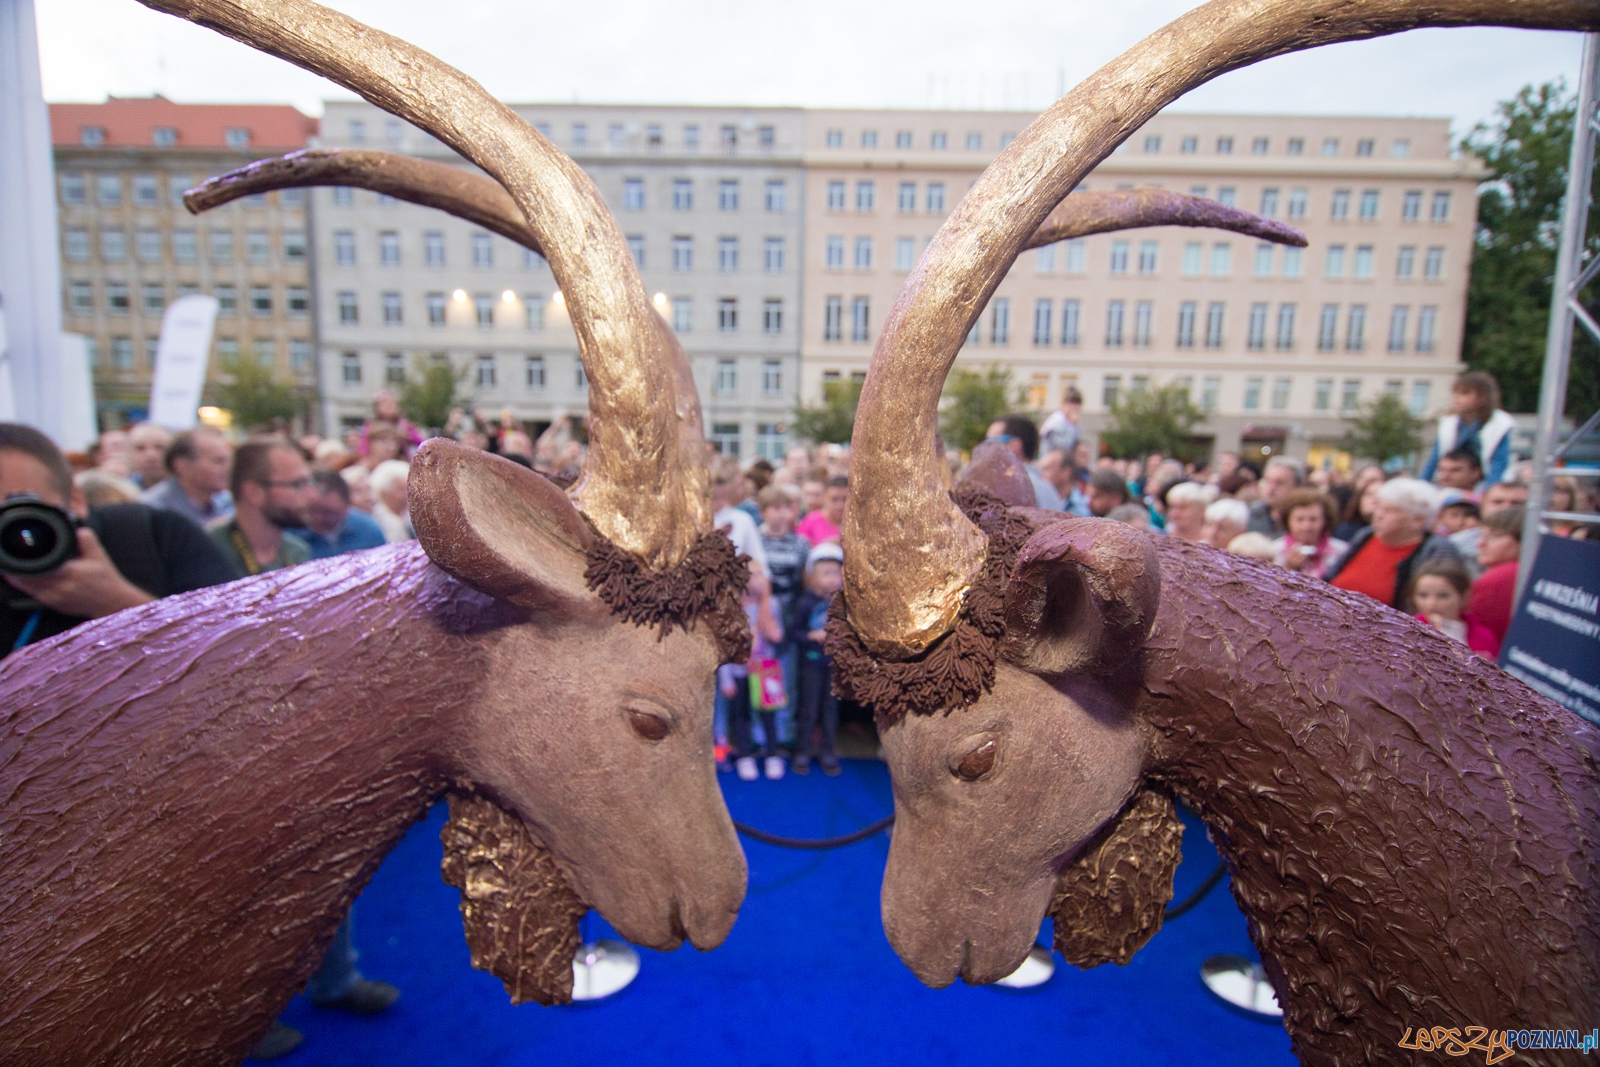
(126, 555)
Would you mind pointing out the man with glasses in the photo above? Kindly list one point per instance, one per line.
(271, 486)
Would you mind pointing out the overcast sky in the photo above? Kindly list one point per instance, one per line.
(840, 53)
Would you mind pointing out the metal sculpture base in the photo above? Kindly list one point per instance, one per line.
(1038, 967)
(602, 968)
(1241, 985)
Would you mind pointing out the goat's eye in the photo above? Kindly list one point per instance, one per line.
(976, 763)
(649, 726)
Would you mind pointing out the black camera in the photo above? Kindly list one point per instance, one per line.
(36, 536)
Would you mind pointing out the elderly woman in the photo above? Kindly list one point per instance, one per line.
(1186, 510)
(1307, 547)
(1225, 520)
(1382, 556)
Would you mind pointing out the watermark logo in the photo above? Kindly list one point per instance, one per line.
(1496, 1045)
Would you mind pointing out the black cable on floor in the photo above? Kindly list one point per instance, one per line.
(1198, 895)
(815, 842)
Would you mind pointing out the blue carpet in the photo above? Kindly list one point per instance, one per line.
(807, 976)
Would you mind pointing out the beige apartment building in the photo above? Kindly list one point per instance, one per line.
(1275, 344)
(129, 247)
(710, 201)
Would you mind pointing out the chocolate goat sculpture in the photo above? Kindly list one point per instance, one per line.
(1411, 832)
(192, 792)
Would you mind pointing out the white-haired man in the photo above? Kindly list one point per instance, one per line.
(1383, 555)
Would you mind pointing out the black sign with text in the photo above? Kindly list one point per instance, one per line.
(1554, 641)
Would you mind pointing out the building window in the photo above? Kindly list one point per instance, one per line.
(533, 373)
(80, 298)
(1224, 146)
(257, 247)
(1042, 314)
(1280, 394)
(1252, 394)
(906, 198)
(1186, 317)
(1286, 314)
(1110, 386)
(392, 314)
(727, 383)
(227, 301)
(1333, 263)
(834, 138)
(1189, 145)
(344, 246)
(727, 314)
(1363, 262)
(533, 311)
(1152, 144)
(1143, 321)
(1269, 203)
(767, 138)
(1369, 204)
(682, 195)
(1070, 310)
(436, 309)
(1114, 314)
(1263, 263)
(1398, 319)
(350, 368)
(482, 250)
(1364, 147)
(869, 138)
(1000, 322)
(1214, 312)
(836, 196)
(974, 141)
(727, 254)
(147, 242)
(394, 368)
(1350, 395)
(636, 248)
(725, 438)
(146, 192)
(72, 187)
(777, 197)
(260, 301)
(297, 301)
(936, 198)
(773, 257)
(122, 352)
(863, 253)
(938, 140)
(1406, 262)
(633, 194)
(1411, 205)
(1193, 252)
(349, 310)
(1221, 259)
(389, 248)
(833, 252)
(1323, 398)
(580, 135)
(1210, 389)
(1298, 201)
(300, 355)
(772, 315)
(691, 138)
(238, 138)
(682, 314)
(483, 309)
(343, 196)
(153, 299)
(1119, 257)
(1355, 338)
(1327, 327)
(730, 138)
(1340, 208)
(860, 315)
(866, 196)
(1225, 195)
(113, 246)
(294, 246)
(772, 377)
(1330, 146)
(1440, 211)
(727, 195)
(682, 253)
(486, 371)
(1147, 257)
(1291, 262)
(1427, 325)
(1433, 264)
(832, 314)
(108, 189)
(771, 443)
(1256, 339)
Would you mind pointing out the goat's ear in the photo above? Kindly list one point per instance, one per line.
(498, 526)
(1082, 597)
(996, 470)
(1112, 897)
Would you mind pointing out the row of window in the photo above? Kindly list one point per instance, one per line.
(237, 137)
(1144, 256)
(146, 190)
(535, 373)
(906, 199)
(149, 245)
(618, 135)
(938, 140)
(259, 299)
(264, 350)
(681, 197)
(485, 310)
(774, 251)
(1208, 327)
(1281, 392)
(1189, 144)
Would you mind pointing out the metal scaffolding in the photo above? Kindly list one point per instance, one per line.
(1572, 274)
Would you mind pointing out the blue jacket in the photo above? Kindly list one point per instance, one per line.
(359, 531)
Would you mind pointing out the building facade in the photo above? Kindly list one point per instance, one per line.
(129, 247)
(1274, 344)
(710, 201)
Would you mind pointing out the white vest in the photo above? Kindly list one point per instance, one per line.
(1489, 436)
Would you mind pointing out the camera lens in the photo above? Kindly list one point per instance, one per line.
(35, 537)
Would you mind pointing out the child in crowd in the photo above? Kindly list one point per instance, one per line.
(1458, 515)
(824, 576)
(813, 487)
(1498, 549)
(1439, 594)
(786, 567)
(824, 523)
(733, 680)
(1308, 547)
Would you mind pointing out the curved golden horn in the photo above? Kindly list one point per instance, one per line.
(644, 486)
(1104, 210)
(910, 553)
(453, 190)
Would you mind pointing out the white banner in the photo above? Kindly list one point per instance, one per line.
(181, 361)
(79, 427)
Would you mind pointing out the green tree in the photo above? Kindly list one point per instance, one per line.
(430, 392)
(1519, 215)
(1384, 430)
(1152, 420)
(972, 400)
(832, 421)
(253, 394)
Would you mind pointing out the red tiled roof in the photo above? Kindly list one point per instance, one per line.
(132, 122)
